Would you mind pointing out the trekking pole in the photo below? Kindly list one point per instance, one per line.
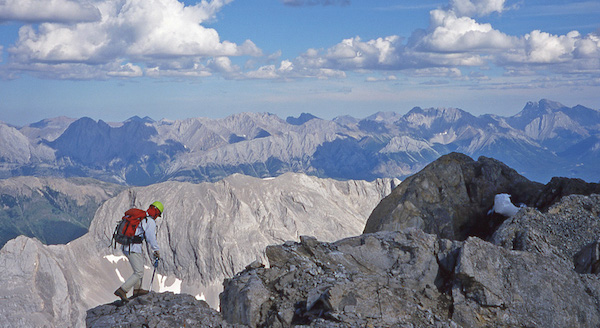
(152, 280)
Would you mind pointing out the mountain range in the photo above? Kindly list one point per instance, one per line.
(543, 140)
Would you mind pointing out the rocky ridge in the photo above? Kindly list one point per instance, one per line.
(535, 269)
(410, 278)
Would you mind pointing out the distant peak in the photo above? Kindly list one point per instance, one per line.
(136, 118)
(303, 118)
(544, 105)
(384, 116)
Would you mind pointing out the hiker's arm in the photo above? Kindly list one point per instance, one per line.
(151, 235)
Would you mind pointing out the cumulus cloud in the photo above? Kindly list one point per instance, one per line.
(130, 38)
(63, 11)
(476, 7)
(451, 33)
(154, 32)
(540, 47)
(300, 3)
(355, 54)
(455, 39)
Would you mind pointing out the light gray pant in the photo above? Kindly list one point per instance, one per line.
(137, 264)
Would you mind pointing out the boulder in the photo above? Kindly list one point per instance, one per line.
(451, 198)
(496, 287)
(381, 279)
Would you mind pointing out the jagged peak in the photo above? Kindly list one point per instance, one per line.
(345, 120)
(145, 119)
(384, 116)
(303, 118)
(540, 107)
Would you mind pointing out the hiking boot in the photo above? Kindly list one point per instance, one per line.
(122, 294)
(139, 292)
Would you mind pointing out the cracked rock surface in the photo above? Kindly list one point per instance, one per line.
(409, 278)
(160, 310)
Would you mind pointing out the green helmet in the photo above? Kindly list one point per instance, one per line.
(158, 205)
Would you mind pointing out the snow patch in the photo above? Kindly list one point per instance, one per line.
(173, 286)
(113, 259)
(119, 275)
(503, 205)
(200, 297)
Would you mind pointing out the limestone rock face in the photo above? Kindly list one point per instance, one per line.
(450, 197)
(208, 232)
(409, 278)
(47, 296)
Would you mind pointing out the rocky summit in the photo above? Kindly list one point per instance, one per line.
(452, 197)
(537, 268)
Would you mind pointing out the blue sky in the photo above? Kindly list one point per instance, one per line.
(112, 59)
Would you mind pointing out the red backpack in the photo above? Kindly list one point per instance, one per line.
(124, 233)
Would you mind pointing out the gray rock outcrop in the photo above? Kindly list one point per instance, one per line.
(451, 197)
(564, 230)
(409, 278)
(424, 264)
(158, 310)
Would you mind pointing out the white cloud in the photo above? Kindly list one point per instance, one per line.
(48, 11)
(453, 40)
(381, 79)
(461, 34)
(130, 38)
(540, 47)
(162, 33)
(127, 70)
(476, 7)
(355, 54)
(452, 72)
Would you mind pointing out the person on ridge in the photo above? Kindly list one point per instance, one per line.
(134, 252)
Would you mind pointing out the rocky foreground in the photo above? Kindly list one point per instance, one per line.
(535, 269)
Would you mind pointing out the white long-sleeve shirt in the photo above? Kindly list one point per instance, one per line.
(146, 229)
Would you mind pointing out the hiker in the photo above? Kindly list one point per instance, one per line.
(146, 230)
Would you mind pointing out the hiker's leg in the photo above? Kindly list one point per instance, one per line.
(137, 264)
